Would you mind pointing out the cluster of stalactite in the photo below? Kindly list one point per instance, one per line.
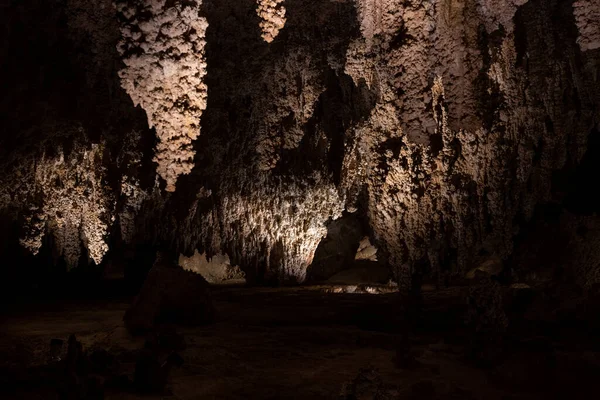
(272, 14)
(439, 123)
(132, 193)
(465, 133)
(162, 47)
(463, 137)
(281, 221)
(65, 196)
(262, 192)
(283, 125)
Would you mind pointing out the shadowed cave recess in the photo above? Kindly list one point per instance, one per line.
(395, 195)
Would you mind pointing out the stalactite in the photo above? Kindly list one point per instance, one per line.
(132, 194)
(292, 110)
(287, 219)
(76, 207)
(163, 50)
(281, 222)
(370, 18)
(272, 14)
(450, 135)
(448, 132)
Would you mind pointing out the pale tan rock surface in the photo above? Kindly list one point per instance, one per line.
(163, 50)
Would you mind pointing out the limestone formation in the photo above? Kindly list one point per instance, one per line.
(272, 14)
(587, 17)
(455, 147)
(282, 225)
(217, 269)
(133, 196)
(366, 251)
(281, 128)
(440, 124)
(163, 50)
(452, 132)
(73, 204)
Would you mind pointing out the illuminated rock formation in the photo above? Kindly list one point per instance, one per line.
(215, 270)
(74, 205)
(163, 50)
(263, 170)
(286, 219)
(282, 223)
(453, 132)
(456, 147)
(438, 124)
(134, 198)
(272, 14)
(132, 194)
(366, 251)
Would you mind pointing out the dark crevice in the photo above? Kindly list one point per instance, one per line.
(577, 182)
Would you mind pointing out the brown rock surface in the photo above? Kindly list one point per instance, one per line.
(170, 294)
(441, 124)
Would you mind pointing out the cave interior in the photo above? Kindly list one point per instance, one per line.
(291, 199)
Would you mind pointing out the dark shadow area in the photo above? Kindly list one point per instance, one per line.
(342, 105)
(576, 183)
(337, 250)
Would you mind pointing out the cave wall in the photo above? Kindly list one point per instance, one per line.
(480, 102)
(438, 123)
(70, 134)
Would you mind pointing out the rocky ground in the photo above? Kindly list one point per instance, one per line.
(298, 343)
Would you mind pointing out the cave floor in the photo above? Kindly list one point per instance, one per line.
(272, 343)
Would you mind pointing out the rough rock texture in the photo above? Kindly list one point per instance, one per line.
(217, 269)
(163, 50)
(132, 194)
(272, 143)
(439, 124)
(465, 133)
(272, 13)
(587, 17)
(65, 124)
(64, 195)
(282, 225)
(293, 86)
